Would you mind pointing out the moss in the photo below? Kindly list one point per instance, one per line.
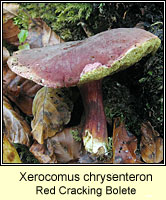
(109, 146)
(127, 60)
(76, 135)
(25, 155)
(120, 102)
(61, 17)
(151, 92)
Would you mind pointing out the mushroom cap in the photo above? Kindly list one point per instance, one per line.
(77, 62)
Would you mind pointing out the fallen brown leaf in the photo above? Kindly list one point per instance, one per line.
(19, 90)
(17, 130)
(51, 110)
(40, 34)
(10, 10)
(124, 144)
(66, 145)
(10, 32)
(151, 144)
(41, 152)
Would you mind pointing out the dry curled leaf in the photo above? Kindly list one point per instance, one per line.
(10, 32)
(51, 110)
(66, 145)
(10, 10)
(10, 154)
(19, 90)
(8, 76)
(40, 34)
(17, 130)
(124, 144)
(151, 144)
(43, 155)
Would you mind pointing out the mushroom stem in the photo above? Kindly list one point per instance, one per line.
(95, 136)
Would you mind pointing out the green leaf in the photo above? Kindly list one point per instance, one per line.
(22, 36)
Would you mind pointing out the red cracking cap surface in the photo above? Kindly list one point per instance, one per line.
(61, 65)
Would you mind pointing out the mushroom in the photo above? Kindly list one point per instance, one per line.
(84, 63)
